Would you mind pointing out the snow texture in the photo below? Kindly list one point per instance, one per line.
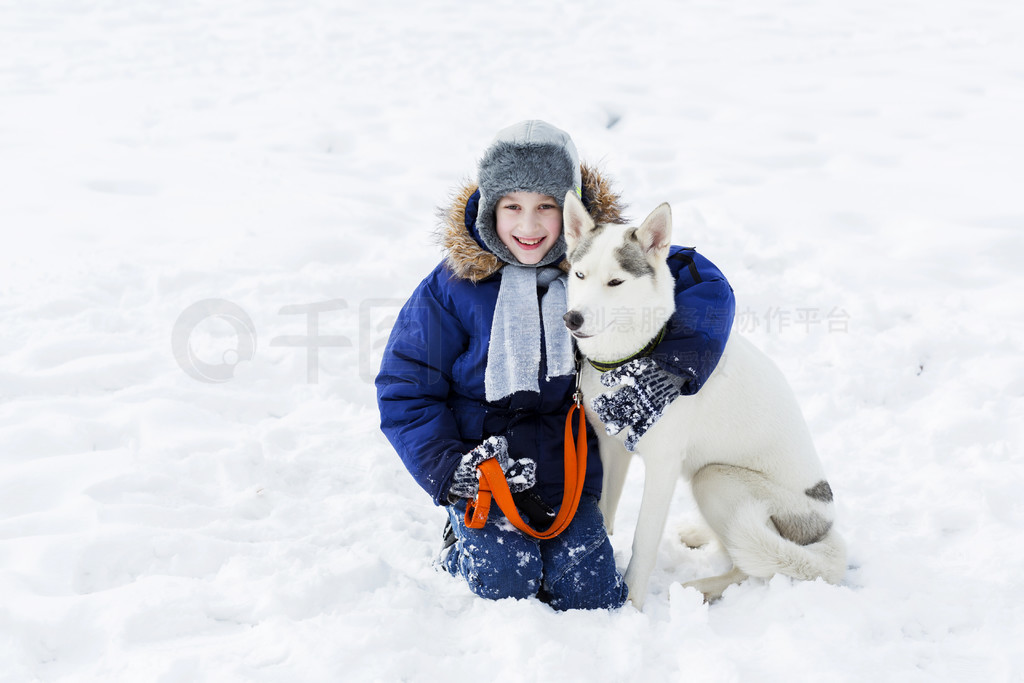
(248, 176)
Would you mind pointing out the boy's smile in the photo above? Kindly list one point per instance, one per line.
(529, 224)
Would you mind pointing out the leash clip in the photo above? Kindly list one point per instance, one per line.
(577, 395)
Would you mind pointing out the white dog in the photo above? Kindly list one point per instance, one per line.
(741, 440)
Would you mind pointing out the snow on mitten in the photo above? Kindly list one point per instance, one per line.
(645, 391)
(521, 474)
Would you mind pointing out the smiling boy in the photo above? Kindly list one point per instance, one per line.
(529, 224)
(480, 365)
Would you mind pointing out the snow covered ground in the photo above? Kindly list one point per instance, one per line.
(230, 173)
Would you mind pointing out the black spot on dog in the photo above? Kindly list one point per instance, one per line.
(802, 529)
(583, 246)
(632, 260)
(820, 491)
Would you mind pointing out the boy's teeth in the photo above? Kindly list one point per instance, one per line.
(529, 242)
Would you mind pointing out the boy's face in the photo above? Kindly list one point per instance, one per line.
(528, 224)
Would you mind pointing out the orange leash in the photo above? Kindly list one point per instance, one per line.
(493, 484)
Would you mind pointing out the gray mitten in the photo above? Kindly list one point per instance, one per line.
(646, 391)
(521, 474)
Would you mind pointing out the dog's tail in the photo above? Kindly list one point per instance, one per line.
(756, 547)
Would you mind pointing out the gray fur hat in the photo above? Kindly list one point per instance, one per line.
(530, 156)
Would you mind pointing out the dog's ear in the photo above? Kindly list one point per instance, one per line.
(576, 222)
(655, 233)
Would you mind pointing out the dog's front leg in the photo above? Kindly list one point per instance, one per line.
(661, 473)
(615, 464)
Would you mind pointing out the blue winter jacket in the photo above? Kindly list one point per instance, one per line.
(430, 388)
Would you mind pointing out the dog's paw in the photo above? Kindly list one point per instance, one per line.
(695, 535)
(708, 588)
(713, 586)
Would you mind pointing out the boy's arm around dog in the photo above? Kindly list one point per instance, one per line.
(700, 326)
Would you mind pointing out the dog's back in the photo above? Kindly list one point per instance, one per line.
(746, 414)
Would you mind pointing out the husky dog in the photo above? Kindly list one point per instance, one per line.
(741, 440)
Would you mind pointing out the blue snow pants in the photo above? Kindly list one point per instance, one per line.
(575, 570)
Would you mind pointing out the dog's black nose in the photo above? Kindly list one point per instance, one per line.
(573, 320)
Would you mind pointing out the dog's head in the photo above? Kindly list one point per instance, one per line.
(620, 288)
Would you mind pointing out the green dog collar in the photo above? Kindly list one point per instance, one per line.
(642, 353)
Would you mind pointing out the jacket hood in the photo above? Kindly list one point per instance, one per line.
(469, 258)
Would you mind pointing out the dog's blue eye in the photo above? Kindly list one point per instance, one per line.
(614, 283)
(579, 274)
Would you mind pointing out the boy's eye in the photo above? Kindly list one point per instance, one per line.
(513, 207)
(614, 283)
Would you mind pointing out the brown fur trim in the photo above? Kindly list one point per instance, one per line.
(464, 257)
(605, 205)
(469, 261)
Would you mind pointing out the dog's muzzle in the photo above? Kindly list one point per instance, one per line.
(573, 320)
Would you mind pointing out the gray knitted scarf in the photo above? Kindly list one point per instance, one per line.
(514, 353)
(530, 156)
